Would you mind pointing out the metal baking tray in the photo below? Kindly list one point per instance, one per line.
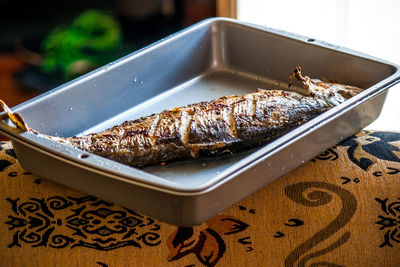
(210, 59)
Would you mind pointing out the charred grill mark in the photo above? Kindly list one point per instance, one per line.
(153, 129)
(109, 136)
(155, 124)
(230, 120)
(218, 106)
(253, 105)
(133, 132)
(186, 121)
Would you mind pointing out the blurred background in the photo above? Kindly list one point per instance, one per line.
(44, 44)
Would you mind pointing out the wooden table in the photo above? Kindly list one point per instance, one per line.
(340, 209)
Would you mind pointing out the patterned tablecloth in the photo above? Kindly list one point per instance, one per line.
(340, 209)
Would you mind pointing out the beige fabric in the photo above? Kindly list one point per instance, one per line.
(340, 209)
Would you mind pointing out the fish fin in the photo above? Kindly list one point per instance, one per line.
(307, 83)
(16, 118)
(296, 74)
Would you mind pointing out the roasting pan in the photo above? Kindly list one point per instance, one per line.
(213, 58)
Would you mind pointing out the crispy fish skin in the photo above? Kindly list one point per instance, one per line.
(227, 124)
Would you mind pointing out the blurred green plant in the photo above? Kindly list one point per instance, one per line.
(92, 40)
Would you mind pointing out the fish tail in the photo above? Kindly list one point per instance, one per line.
(16, 118)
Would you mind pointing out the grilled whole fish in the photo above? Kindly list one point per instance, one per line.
(227, 124)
